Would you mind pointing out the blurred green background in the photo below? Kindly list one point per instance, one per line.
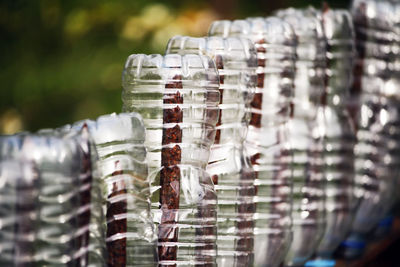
(61, 61)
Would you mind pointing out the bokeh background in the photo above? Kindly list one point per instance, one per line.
(61, 61)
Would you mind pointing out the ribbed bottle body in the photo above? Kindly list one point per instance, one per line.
(18, 211)
(90, 214)
(376, 81)
(377, 159)
(177, 97)
(339, 133)
(268, 145)
(339, 160)
(125, 189)
(272, 223)
(306, 135)
(57, 235)
(266, 141)
(229, 165)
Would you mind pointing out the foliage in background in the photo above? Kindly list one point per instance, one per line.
(62, 60)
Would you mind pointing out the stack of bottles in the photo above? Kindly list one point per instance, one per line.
(255, 146)
(78, 196)
(306, 134)
(178, 98)
(266, 141)
(376, 86)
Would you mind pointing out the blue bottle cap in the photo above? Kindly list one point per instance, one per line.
(320, 263)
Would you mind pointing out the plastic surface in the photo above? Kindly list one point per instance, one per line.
(229, 164)
(18, 211)
(266, 141)
(306, 135)
(376, 84)
(91, 216)
(125, 197)
(177, 97)
(57, 232)
(339, 138)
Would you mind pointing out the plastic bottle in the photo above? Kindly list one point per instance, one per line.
(91, 218)
(177, 97)
(266, 141)
(229, 164)
(306, 135)
(119, 142)
(376, 82)
(57, 233)
(339, 132)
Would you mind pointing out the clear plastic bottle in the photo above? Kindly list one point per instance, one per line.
(339, 138)
(229, 165)
(305, 135)
(266, 141)
(18, 211)
(376, 83)
(119, 142)
(178, 98)
(90, 239)
(57, 238)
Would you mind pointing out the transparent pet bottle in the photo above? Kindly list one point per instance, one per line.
(376, 85)
(306, 134)
(266, 141)
(339, 138)
(229, 164)
(57, 238)
(91, 238)
(178, 98)
(119, 142)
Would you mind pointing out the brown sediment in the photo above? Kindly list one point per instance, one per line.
(324, 97)
(254, 158)
(208, 228)
(256, 103)
(245, 242)
(215, 179)
(170, 174)
(220, 65)
(358, 69)
(85, 199)
(116, 249)
(204, 211)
